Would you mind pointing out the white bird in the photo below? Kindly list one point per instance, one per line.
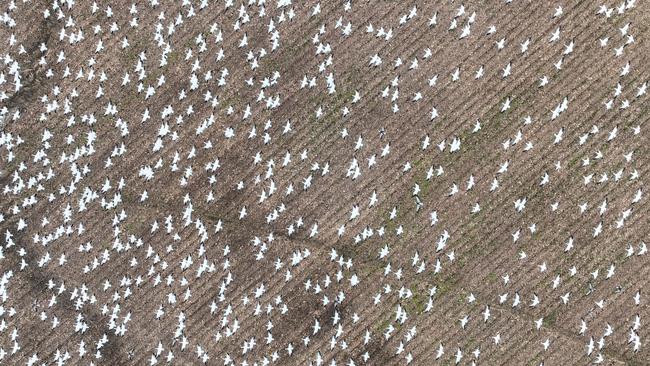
(486, 313)
(479, 73)
(383, 252)
(434, 19)
(506, 71)
(459, 355)
(440, 351)
(520, 204)
(555, 35)
(455, 76)
(463, 321)
(465, 31)
(477, 126)
(506, 105)
(524, 45)
(434, 113)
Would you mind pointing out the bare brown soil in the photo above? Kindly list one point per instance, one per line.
(133, 258)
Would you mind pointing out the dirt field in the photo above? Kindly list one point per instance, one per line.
(244, 182)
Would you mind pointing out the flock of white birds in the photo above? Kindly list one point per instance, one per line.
(281, 182)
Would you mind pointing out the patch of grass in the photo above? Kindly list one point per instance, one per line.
(130, 227)
(334, 104)
(381, 327)
(475, 248)
(131, 55)
(550, 319)
(349, 251)
(446, 285)
(492, 277)
(470, 344)
(270, 63)
(233, 101)
(425, 188)
(391, 225)
(173, 57)
(621, 257)
(515, 103)
(496, 117)
(574, 160)
(133, 51)
(534, 361)
(370, 269)
(417, 302)
(152, 75)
